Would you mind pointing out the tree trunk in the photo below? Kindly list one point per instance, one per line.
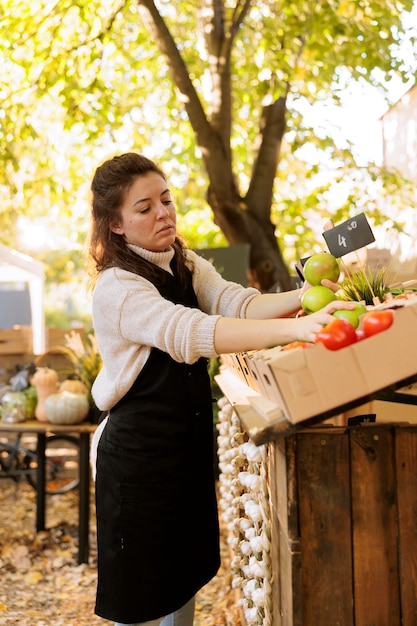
(267, 269)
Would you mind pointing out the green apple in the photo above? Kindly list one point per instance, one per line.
(315, 298)
(319, 266)
(352, 315)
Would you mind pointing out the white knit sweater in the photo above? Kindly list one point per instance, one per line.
(130, 317)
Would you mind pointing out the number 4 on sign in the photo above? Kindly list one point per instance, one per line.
(349, 236)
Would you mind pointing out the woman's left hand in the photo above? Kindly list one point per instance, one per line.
(326, 283)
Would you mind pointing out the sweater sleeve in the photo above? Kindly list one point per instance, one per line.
(135, 314)
(130, 317)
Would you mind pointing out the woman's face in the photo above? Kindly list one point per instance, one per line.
(147, 216)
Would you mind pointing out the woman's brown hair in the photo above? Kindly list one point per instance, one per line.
(111, 182)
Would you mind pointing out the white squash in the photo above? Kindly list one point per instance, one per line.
(66, 407)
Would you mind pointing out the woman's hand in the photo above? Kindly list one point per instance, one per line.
(309, 325)
(326, 283)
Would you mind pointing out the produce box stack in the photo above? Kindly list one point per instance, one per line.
(362, 352)
(308, 382)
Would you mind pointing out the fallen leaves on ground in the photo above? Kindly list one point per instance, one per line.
(41, 583)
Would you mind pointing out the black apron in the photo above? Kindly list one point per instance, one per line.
(157, 523)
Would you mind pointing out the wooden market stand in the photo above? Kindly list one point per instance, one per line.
(343, 509)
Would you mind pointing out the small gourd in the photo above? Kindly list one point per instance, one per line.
(73, 385)
(45, 380)
(66, 407)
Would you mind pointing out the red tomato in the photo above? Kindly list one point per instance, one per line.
(297, 344)
(376, 321)
(360, 335)
(336, 335)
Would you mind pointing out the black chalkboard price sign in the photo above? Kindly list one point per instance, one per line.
(349, 236)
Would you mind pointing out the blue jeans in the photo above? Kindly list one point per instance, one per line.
(183, 617)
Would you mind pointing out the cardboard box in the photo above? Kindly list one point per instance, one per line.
(306, 383)
(385, 412)
(401, 407)
(231, 361)
(251, 374)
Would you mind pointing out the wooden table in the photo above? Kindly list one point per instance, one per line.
(42, 429)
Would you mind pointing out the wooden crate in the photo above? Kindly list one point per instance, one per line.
(56, 336)
(344, 531)
(8, 364)
(16, 340)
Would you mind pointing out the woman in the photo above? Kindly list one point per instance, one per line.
(159, 312)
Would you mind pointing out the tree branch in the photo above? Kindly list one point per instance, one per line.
(272, 129)
(215, 150)
(239, 13)
(219, 42)
(179, 72)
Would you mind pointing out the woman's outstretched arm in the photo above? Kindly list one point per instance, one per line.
(240, 335)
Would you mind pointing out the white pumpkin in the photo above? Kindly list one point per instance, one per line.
(66, 407)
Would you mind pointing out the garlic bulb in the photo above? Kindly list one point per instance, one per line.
(245, 508)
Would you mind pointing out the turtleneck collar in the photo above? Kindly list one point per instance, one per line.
(161, 259)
